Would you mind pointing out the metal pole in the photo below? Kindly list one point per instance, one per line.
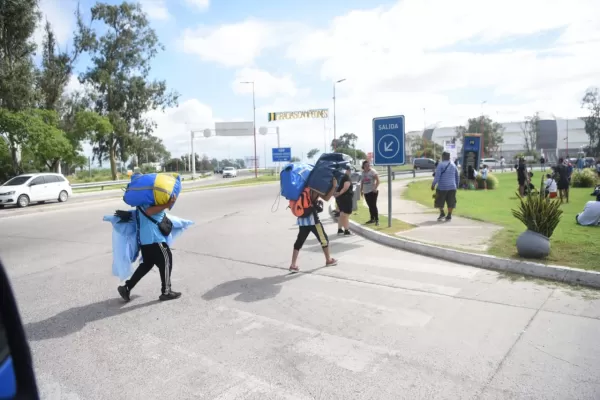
(278, 146)
(389, 173)
(334, 126)
(254, 123)
(567, 156)
(193, 156)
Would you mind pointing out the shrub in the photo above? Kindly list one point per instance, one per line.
(492, 181)
(585, 179)
(538, 213)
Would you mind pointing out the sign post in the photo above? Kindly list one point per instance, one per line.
(388, 148)
(282, 154)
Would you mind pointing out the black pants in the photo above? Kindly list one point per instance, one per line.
(158, 254)
(317, 230)
(371, 199)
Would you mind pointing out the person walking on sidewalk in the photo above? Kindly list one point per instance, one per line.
(447, 180)
(343, 198)
(369, 185)
(155, 251)
(306, 226)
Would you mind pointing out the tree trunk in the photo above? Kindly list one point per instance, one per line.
(113, 160)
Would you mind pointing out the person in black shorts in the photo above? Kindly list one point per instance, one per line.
(343, 198)
(561, 175)
(522, 175)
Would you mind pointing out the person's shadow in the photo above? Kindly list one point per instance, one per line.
(250, 290)
(74, 319)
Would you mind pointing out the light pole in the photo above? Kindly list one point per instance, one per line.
(482, 134)
(263, 130)
(206, 132)
(334, 126)
(253, 126)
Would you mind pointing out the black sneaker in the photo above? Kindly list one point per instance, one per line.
(371, 221)
(347, 233)
(449, 218)
(340, 231)
(169, 296)
(441, 217)
(377, 223)
(124, 292)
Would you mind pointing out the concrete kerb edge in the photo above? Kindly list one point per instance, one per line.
(550, 272)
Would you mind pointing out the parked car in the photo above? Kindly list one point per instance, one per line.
(423, 163)
(229, 172)
(25, 189)
(492, 163)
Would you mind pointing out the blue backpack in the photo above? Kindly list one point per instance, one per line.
(293, 180)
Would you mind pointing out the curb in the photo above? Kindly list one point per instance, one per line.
(551, 272)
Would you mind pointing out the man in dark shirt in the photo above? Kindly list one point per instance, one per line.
(561, 173)
(344, 197)
(522, 175)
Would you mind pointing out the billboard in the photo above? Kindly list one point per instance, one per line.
(234, 128)
(318, 113)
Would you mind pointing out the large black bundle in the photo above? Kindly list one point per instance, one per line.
(327, 172)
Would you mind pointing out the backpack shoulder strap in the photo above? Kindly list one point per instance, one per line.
(147, 216)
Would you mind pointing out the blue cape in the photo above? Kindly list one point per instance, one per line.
(125, 245)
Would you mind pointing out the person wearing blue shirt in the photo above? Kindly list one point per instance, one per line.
(447, 180)
(155, 251)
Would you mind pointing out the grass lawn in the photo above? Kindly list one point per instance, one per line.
(361, 216)
(572, 245)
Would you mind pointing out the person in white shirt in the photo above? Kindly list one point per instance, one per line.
(591, 213)
(551, 188)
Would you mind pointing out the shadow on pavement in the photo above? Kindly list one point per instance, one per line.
(335, 247)
(74, 319)
(249, 290)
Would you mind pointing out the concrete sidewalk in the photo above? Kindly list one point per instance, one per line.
(461, 233)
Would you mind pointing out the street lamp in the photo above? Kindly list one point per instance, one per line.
(253, 125)
(481, 127)
(334, 126)
(263, 130)
(206, 132)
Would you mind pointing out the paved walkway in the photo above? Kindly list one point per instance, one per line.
(462, 233)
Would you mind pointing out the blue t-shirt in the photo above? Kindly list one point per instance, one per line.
(149, 232)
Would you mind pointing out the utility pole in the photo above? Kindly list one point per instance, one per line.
(254, 127)
(334, 123)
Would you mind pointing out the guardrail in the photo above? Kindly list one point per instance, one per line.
(122, 182)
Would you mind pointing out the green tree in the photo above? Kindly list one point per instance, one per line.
(420, 147)
(295, 159)
(531, 132)
(312, 153)
(18, 20)
(149, 149)
(354, 153)
(241, 163)
(345, 141)
(591, 101)
(492, 132)
(120, 64)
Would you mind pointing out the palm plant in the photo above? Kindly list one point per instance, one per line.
(538, 213)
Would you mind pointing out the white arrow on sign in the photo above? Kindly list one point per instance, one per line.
(388, 146)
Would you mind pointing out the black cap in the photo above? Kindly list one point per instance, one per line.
(347, 167)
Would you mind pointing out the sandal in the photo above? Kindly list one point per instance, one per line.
(331, 263)
(294, 268)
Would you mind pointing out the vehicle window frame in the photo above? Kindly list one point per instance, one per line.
(51, 179)
(41, 177)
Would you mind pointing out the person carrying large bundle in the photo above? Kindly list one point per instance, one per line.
(152, 195)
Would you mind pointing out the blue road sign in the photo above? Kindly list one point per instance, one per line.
(282, 154)
(388, 140)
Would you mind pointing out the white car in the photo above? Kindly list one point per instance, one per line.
(229, 172)
(34, 188)
(492, 163)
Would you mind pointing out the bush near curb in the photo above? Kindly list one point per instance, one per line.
(586, 178)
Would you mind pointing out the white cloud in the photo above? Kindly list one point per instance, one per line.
(156, 9)
(60, 14)
(201, 5)
(238, 44)
(265, 84)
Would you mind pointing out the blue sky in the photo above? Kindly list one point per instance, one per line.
(398, 56)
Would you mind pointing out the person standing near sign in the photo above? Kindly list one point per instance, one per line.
(369, 185)
(343, 199)
(447, 180)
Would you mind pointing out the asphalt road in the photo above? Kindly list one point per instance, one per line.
(383, 324)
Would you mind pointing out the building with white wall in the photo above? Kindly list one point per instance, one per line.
(558, 137)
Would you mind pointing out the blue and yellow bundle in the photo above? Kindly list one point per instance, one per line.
(152, 189)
